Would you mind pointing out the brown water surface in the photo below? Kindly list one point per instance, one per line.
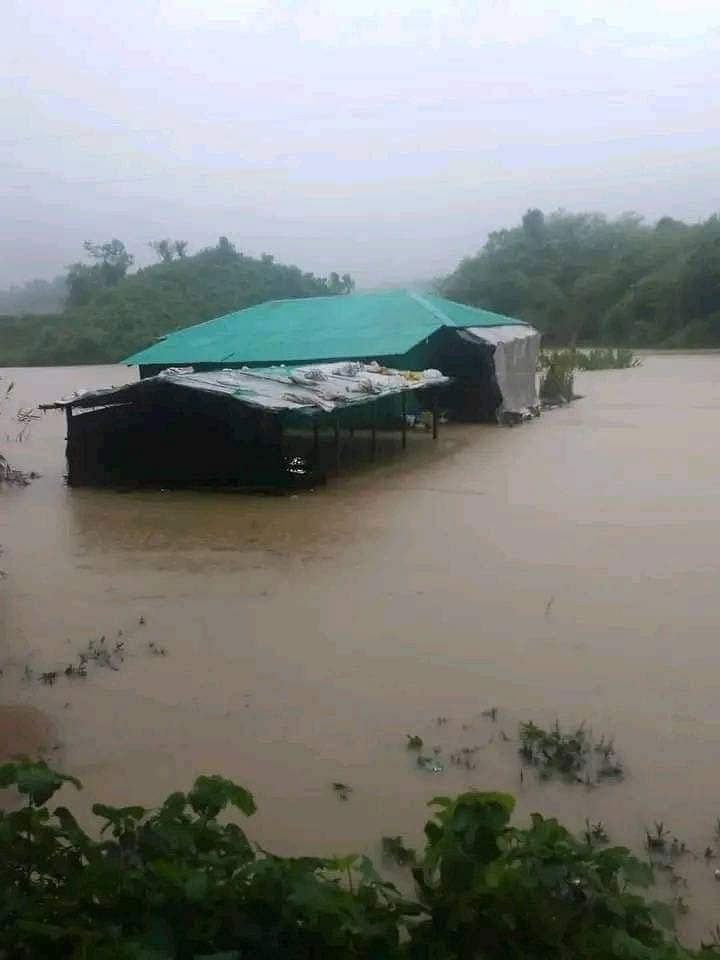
(565, 569)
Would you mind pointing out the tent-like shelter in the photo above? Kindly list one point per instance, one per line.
(491, 358)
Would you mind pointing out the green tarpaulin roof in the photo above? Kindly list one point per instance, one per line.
(315, 328)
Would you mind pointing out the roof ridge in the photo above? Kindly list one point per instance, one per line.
(431, 308)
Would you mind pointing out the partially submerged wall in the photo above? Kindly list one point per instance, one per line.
(173, 439)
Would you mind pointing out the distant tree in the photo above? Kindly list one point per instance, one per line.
(34, 297)
(225, 247)
(167, 250)
(585, 277)
(534, 224)
(82, 283)
(112, 262)
(669, 223)
(340, 284)
(106, 323)
(112, 258)
(164, 249)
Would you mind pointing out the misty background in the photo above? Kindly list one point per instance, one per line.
(385, 140)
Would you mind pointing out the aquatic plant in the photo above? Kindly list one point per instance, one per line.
(557, 382)
(342, 790)
(573, 755)
(557, 368)
(606, 358)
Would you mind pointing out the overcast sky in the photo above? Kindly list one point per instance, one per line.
(381, 138)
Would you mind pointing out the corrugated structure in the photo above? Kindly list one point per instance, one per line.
(362, 326)
(233, 427)
(306, 391)
(222, 401)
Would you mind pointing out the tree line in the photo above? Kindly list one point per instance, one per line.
(111, 311)
(581, 278)
(586, 278)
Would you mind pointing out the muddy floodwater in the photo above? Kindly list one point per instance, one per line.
(564, 569)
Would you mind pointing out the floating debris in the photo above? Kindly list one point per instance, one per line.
(431, 764)
(342, 791)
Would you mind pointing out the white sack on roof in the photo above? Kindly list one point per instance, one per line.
(516, 356)
(324, 387)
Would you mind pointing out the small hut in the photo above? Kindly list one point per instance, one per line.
(228, 427)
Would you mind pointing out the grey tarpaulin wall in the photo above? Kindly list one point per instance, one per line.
(515, 358)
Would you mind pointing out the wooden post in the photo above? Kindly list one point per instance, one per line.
(373, 432)
(69, 452)
(435, 415)
(337, 444)
(316, 442)
(404, 421)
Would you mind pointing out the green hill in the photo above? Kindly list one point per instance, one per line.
(132, 311)
(578, 277)
(583, 277)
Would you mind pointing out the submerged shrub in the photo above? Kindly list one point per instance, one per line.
(558, 377)
(572, 755)
(606, 358)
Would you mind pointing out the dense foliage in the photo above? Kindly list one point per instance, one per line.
(35, 296)
(584, 277)
(111, 313)
(178, 882)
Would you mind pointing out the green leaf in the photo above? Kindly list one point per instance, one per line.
(45, 931)
(71, 827)
(118, 814)
(212, 794)
(174, 804)
(39, 782)
(196, 886)
(637, 873)
(8, 774)
(628, 948)
(662, 914)
(225, 955)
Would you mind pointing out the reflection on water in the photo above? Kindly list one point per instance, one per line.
(564, 569)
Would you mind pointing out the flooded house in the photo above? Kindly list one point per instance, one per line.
(232, 400)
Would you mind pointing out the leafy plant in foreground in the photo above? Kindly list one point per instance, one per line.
(175, 883)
